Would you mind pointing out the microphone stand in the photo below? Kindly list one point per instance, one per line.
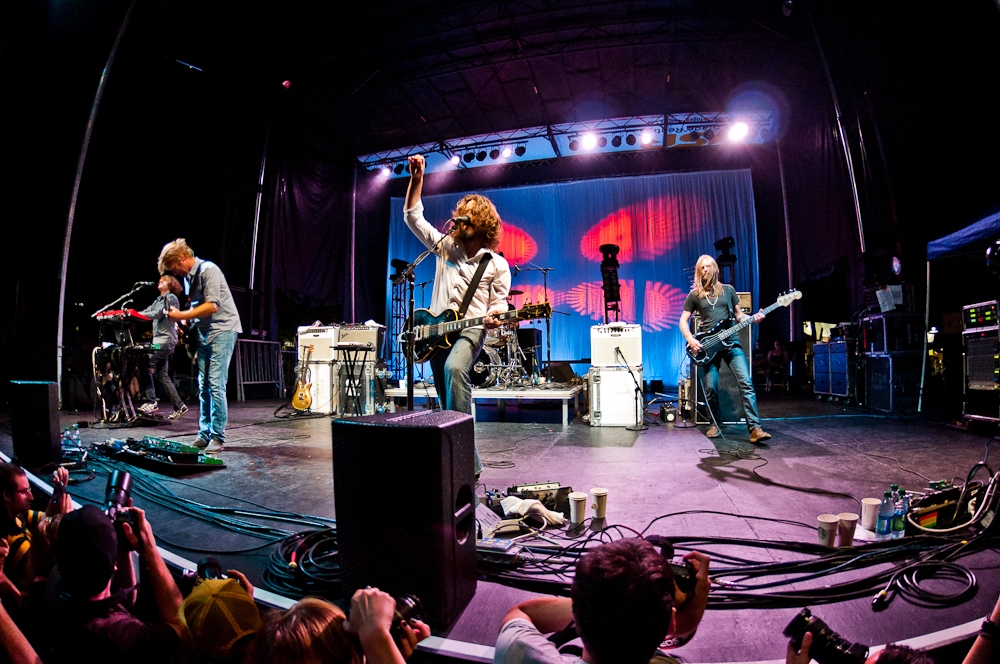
(407, 274)
(639, 412)
(548, 320)
(135, 289)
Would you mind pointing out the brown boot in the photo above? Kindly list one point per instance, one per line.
(713, 432)
(757, 435)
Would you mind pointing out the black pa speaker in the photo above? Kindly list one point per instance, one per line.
(405, 507)
(34, 422)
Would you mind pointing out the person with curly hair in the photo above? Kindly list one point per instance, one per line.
(470, 240)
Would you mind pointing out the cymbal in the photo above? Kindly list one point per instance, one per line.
(515, 292)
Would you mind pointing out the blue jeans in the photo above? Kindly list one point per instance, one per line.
(737, 361)
(214, 355)
(452, 376)
(159, 368)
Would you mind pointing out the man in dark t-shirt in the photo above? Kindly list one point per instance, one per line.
(714, 303)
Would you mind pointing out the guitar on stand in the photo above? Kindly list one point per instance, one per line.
(302, 400)
(433, 332)
(721, 336)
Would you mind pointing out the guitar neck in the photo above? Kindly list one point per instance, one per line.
(749, 321)
(454, 326)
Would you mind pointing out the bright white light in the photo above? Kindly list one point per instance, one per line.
(386, 171)
(505, 153)
(738, 131)
(589, 141)
(647, 137)
(455, 159)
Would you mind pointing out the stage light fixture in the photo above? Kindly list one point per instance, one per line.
(398, 170)
(574, 144)
(602, 142)
(609, 273)
(505, 153)
(495, 154)
(647, 137)
(738, 131)
(589, 141)
(455, 159)
(709, 134)
(617, 141)
(630, 139)
(469, 156)
(695, 135)
(520, 150)
(386, 171)
(481, 155)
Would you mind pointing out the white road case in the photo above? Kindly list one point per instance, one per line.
(613, 398)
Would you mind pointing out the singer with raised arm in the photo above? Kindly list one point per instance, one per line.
(461, 255)
(717, 303)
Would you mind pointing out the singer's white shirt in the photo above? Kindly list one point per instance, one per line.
(455, 270)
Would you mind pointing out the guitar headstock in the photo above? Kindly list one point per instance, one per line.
(530, 311)
(788, 297)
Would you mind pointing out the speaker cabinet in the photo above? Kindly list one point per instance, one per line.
(34, 423)
(405, 507)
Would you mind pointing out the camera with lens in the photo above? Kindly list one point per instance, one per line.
(828, 647)
(210, 568)
(408, 608)
(685, 576)
(116, 497)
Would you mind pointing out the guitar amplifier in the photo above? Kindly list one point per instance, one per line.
(323, 369)
(370, 335)
(605, 338)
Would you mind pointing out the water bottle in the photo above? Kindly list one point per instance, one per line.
(895, 492)
(886, 513)
(67, 438)
(76, 435)
(899, 516)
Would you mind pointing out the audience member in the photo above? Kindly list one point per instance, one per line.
(372, 622)
(623, 604)
(92, 589)
(17, 519)
(16, 647)
(984, 649)
(891, 654)
(221, 617)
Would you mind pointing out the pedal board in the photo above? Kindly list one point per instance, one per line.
(164, 456)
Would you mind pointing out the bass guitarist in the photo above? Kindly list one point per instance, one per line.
(715, 303)
(467, 246)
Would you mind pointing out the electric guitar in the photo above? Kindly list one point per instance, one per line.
(435, 331)
(722, 336)
(303, 397)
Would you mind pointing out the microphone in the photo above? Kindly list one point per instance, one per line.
(145, 283)
(464, 219)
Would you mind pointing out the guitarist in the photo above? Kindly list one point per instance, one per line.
(458, 260)
(715, 303)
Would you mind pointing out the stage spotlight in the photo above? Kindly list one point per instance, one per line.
(495, 154)
(574, 144)
(609, 273)
(469, 156)
(617, 141)
(738, 131)
(602, 142)
(709, 134)
(505, 153)
(695, 135)
(455, 159)
(589, 141)
(647, 137)
(386, 171)
(630, 139)
(993, 257)
(481, 155)
(398, 169)
(520, 150)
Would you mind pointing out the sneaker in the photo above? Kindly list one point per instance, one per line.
(149, 407)
(757, 435)
(176, 415)
(200, 443)
(215, 447)
(713, 432)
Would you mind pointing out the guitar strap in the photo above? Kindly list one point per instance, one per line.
(474, 284)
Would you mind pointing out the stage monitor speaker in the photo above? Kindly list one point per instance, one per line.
(730, 400)
(562, 372)
(405, 507)
(34, 423)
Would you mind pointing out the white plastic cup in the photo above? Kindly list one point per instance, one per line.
(598, 502)
(577, 508)
(827, 528)
(869, 513)
(848, 522)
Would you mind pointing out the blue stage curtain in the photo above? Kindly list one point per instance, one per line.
(662, 223)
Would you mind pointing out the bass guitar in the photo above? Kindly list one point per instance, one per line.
(723, 335)
(303, 397)
(435, 331)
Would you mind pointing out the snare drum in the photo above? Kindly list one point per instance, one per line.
(486, 368)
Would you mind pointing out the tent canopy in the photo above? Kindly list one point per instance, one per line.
(984, 229)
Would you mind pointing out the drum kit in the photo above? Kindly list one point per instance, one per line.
(502, 362)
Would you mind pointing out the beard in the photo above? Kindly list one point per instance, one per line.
(464, 232)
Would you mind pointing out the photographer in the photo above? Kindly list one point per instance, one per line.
(17, 520)
(623, 604)
(371, 621)
(891, 654)
(93, 587)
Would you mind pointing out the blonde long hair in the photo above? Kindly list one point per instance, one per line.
(709, 286)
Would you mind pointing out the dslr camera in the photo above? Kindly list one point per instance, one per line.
(116, 497)
(828, 647)
(408, 607)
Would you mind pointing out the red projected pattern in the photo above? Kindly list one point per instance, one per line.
(662, 305)
(517, 245)
(640, 231)
(588, 299)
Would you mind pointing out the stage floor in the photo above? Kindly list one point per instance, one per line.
(286, 464)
